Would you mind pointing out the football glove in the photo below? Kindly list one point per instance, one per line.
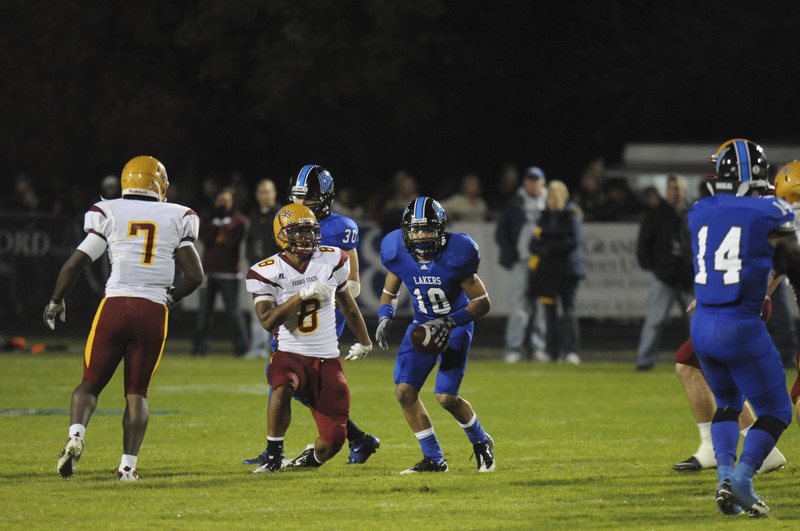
(171, 302)
(358, 351)
(52, 310)
(317, 290)
(382, 332)
(440, 331)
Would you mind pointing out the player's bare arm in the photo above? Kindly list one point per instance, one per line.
(189, 262)
(354, 278)
(391, 287)
(479, 303)
(787, 247)
(273, 315)
(352, 316)
(69, 274)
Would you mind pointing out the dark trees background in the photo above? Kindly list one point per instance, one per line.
(367, 87)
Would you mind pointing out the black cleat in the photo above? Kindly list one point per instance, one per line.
(724, 497)
(428, 464)
(484, 454)
(690, 465)
(305, 460)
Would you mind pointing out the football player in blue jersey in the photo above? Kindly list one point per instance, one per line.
(736, 235)
(440, 271)
(313, 187)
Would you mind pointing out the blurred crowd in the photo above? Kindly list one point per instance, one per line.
(470, 197)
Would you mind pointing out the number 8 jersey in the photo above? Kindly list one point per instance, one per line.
(312, 330)
(435, 286)
(732, 253)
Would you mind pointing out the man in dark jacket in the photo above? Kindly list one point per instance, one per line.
(664, 249)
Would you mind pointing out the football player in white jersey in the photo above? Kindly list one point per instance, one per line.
(144, 237)
(294, 291)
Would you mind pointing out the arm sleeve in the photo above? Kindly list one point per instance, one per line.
(189, 228)
(342, 271)
(260, 287)
(93, 245)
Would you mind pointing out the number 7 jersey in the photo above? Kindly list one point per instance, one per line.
(435, 286)
(732, 253)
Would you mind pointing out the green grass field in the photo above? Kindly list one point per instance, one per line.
(577, 447)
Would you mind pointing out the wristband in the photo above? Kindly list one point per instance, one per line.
(386, 310)
(462, 317)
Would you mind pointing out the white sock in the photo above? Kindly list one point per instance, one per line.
(128, 460)
(470, 422)
(77, 430)
(424, 433)
(705, 437)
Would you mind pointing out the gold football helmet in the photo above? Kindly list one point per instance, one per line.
(145, 176)
(787, 182)
(296, 230)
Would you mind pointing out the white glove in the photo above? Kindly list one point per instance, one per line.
(53, 310)
(317, 290)
(358, 351)
(171, 302)
(382, 332)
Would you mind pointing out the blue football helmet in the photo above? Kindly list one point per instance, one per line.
(313, 183)
(424, 215)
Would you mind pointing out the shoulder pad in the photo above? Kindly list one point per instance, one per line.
(391, 244)
(462, 251)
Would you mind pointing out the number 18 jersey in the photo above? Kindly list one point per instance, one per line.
(732, 253)
(435, 286)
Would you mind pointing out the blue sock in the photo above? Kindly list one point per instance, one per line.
(725, 436)
(430, 445)
(757, 446)
(474, 430)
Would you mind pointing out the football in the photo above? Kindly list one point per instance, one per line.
(426, 339)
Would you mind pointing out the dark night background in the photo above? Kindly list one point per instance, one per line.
(438, 87)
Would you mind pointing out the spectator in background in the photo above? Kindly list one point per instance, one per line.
(467, 204)
(664, 248)
(560, 269)
(514, 231)
(405, 190)
(25, 198)
(506, 186)
(621, 203)
(591, 196)
(109, 187)
(222, 232)
(650, 197)
(260, 244)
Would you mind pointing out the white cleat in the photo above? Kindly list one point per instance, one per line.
(127, 473)
(68, 460)
(774, 461)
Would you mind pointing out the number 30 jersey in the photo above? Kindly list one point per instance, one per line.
(732, 253)
(435, 286)
(312, 330)
(141, 238)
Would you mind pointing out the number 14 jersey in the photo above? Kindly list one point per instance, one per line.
(732, 253)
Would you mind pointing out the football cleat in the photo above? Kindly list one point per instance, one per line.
(484, 454)
(305, 460)
(745, 497)
(724, 496)
(270, 464)
(127, 473)
(362, 449)
(257, 460)
(428, 464)
(701, 460)
(68, 459)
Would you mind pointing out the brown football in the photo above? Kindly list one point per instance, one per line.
(422, 339)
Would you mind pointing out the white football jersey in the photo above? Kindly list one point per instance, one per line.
(141, 238)
(312, 331)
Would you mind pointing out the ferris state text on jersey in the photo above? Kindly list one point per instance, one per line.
(435, 286)
(312, 331)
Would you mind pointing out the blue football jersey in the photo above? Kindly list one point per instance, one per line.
(339, 231)
(732, 253)
(435, 286)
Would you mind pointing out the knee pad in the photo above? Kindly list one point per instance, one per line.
(723, 415)
(774, 426)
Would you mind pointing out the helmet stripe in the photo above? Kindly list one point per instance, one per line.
(302, 177)
(743, 160)
(419, 208)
